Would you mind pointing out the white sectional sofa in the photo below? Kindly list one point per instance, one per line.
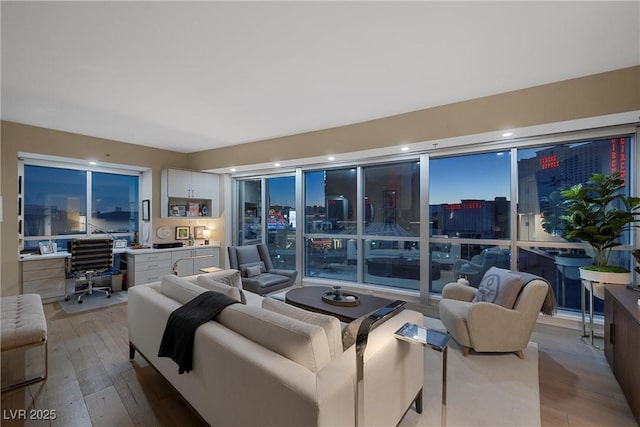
(255, 366)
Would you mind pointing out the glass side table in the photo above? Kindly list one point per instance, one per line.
(436, 340)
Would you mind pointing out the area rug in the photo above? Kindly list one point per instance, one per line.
(93, 301)
(482, 389)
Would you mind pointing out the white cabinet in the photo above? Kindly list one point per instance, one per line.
(147, 267)
(188, 265)
(46, 277)
(182, 189)
(150, 266)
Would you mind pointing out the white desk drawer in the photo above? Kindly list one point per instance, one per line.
(49, 273)
(155, 257)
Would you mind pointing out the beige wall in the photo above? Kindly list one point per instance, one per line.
(597, 95)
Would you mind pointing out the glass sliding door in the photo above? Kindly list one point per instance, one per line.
(281, 221)
(249, 212)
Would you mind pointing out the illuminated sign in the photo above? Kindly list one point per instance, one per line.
(549, 162)
(465, 205)
(618, 156)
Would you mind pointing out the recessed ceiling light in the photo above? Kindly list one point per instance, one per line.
(331, 158)
(405, 148)
(233, 169)
(276, 165)
(506, 134)
(93, 163)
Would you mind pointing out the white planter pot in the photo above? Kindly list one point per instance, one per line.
(599, 279)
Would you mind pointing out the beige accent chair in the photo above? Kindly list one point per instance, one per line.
(488, 327)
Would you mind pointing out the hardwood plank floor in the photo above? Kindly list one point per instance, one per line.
(92, 382)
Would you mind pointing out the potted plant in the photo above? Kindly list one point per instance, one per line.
(599, 213)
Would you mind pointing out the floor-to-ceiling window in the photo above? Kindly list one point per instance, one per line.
(249, 212)
(469, 216)
(330, 220)
(362, 222)
(281, 221)
(272, 220)
(391, 228)
(543, 172)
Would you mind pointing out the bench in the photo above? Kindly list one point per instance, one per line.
(23, 326)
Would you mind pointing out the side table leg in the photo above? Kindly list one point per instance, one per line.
(443, 411)
(582, 307)
(591, 314)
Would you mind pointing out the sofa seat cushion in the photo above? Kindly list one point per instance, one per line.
(330, 324)
(453, 314)
(301, 342)
(266, 280)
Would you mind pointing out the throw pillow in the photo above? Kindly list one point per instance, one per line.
(229, 277)
(179, 289)
(244, 267)
(212, 285)
(330, 324)
(254, 271)
(499, 286)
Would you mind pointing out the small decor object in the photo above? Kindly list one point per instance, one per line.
(45, 248)
(194, 209)
(177, 210)
(146, 210)
(198, 231)
(599, 213)
(337, 297)
(203, 210)
(182, 233)
(163, 232)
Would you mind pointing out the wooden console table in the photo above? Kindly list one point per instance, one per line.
(622, 340)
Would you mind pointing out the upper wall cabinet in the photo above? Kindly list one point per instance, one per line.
(189, 194)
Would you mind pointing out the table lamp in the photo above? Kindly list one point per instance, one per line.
(206, 234)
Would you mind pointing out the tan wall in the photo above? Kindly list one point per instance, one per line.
(22, 138)
(597, 95)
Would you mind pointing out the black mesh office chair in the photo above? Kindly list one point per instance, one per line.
(88, 258)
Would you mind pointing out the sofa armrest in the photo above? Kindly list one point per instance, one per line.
(459, 291)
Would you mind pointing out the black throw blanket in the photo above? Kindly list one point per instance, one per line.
(179, 334)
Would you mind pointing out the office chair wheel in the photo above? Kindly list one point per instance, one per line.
(108, 295)
(66, 298)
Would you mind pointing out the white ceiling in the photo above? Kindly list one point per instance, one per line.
(191, 76)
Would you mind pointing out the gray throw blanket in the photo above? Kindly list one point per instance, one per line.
(180, 331)
(549, 304)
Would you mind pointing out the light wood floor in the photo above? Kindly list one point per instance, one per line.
(92, 382)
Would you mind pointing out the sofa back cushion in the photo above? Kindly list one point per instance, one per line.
(179, 289)
(213, 285)
(301, 342)
(330, 325)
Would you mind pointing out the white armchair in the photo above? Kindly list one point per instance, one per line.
(489, 327)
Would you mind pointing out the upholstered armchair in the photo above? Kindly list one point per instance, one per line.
(489, 326)
(256, 269)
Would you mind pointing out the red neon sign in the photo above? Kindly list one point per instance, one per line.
(549, 162)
